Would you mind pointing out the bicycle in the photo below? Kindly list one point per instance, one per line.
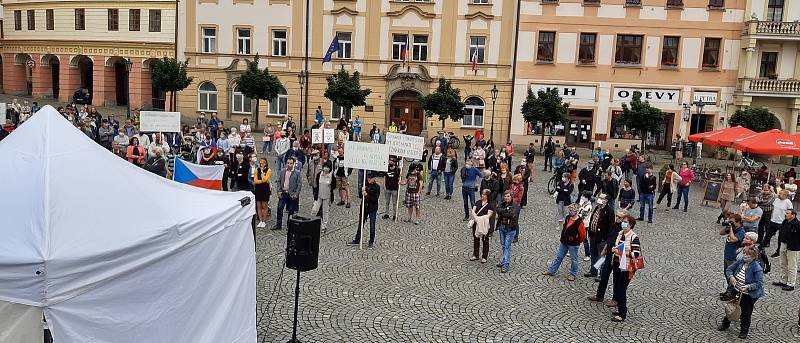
(452, 139)
(748, 163)
(553, 182)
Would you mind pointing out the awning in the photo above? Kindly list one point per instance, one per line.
(726, 137)
(772, 142)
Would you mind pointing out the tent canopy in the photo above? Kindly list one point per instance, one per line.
(111, 252)
(725, 137)
(772, 142)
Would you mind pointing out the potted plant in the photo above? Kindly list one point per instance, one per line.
(721, 153)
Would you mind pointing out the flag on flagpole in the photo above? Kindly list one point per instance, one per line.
(334, 47)
(404, 52)
(475, 62)
(209, 177)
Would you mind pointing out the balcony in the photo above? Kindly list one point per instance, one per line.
(770, 87)
(782, 30)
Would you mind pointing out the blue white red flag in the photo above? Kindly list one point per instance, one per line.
(209, 177)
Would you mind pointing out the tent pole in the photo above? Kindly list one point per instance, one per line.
(296, 303)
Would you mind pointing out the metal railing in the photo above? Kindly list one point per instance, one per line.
(789, 86)
(675, 3)
(773, 28)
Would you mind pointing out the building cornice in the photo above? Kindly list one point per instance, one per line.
(479, 14)
(345, 10)
(411, 8)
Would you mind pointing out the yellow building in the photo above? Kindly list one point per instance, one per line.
(53, 48)
(598, 53)
(220, 36)
(769, 74)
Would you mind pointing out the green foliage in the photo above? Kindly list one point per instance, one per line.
(546, 107)
(758, 119)
(170, 75)
(258, 85)
(345, 90)
(640, 116)
(445, 102)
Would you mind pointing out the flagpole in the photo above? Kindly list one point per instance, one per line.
(304, 108)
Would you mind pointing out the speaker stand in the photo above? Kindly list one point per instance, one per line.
(296, 303)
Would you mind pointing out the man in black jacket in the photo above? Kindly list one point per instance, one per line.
(599, 226)
(492, 183)
(647, 191)
(789, 235)
(610, 187)
(605, 271)
(586, 178)
(371, 192)
(549, 150)
(157, 165)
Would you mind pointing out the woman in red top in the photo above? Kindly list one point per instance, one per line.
(572, 235)
(687, 175)
(136, 152)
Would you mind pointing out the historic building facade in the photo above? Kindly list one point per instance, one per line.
(220, 36)
(769, 72)
(51, 49)
(598, 53)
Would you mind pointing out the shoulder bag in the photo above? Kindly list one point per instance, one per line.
(471, 221)
(733, 308)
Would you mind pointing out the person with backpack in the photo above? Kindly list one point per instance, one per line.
(573, 233)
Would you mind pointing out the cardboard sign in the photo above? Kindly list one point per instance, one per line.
(407, 146)
(367, 156)
(316, 136)
(329, 136)
(157, 121)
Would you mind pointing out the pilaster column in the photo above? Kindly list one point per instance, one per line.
(98, 81)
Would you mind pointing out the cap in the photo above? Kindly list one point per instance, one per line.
(370, 175)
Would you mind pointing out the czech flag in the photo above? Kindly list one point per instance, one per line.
(209, 177)
(404, 52)
(475, 61)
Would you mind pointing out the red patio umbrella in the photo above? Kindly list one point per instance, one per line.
(772, 142)
(726, 138)
(699, 137)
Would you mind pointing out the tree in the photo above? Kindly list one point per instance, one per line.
(171, 76)
(258, 85)
(444, 102)
(758, 119)
(345, 90)
(546, 107)
(640, 116)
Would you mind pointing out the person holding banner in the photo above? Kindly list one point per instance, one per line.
(371, 192)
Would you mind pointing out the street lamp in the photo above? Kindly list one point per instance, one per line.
(128, 67)
(494, 100)
(699, 105)
(301, 78)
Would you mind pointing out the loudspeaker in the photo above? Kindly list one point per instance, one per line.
(302, 243)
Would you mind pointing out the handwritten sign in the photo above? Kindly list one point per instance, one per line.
(156, 121)
(316, 136)
(367, 156)
(407, 146)
(329, 136)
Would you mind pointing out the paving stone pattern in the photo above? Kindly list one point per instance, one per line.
(417, 284)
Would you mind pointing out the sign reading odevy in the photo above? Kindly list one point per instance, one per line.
(367, 156)
(156, 121)
(407, 146)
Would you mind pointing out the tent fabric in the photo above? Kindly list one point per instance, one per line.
(20, 323)
(114, 253)
(726, 137)
(772, 142)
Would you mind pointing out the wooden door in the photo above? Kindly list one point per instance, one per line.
(404, 107)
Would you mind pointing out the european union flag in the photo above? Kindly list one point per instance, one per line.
(331, 49)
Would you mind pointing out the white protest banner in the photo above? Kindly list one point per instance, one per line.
(329, 136)
(367, 156)
(316, 136)
(405, 145)
(157, 121)
(3, 109)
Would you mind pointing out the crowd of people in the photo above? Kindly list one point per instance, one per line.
(596, 203)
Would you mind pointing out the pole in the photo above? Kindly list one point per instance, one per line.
(397, 203)
(491, 134)
(296, 303)
(128, 90)
(361, 218)
(514, 69)
(304, 109)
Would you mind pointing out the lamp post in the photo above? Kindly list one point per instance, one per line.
(128, 67)
(699, 104)
(301, 78)
(494, 100)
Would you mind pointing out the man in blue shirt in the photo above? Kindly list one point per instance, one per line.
(470, 178)
(734, 235)
(357, 128)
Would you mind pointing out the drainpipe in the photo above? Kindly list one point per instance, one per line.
(514, 69)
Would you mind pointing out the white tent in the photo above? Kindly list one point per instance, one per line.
(112, 253)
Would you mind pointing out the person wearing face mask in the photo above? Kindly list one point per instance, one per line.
(122, 139)
(234, 138)
(626, 248)
(606, 242)
(470, 178)
(314, 166)
(507, 225)
(600, 225)
(450, 168)
(288, 186)
(262, 190)
(647, 191)
(242, 172)
(282, 146)
(734, 235)
(573, 232)
(326, 183)
(563, 197)
(627, 196)
(436, 166)
(207, 157)
(221, 159)
(585, 211)
(157, 165)
(586, 178)
(342, 173)
(747, 277)
(371, 193)
(391, 182)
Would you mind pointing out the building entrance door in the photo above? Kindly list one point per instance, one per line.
(579, 128)
(405, 107)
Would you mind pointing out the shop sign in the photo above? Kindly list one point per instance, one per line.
(707, 98)
(654, 96)
(569, 92)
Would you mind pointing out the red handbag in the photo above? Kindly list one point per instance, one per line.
(638, 262)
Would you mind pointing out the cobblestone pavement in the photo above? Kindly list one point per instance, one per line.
(417, 285)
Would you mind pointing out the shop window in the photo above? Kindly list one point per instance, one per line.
(619, 131)
(546, 47)
(711, 53)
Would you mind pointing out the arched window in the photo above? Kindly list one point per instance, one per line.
(279, 106)
(207, 97)
(473, 112)
(241, 103)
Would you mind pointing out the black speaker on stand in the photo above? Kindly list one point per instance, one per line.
(302, 254)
